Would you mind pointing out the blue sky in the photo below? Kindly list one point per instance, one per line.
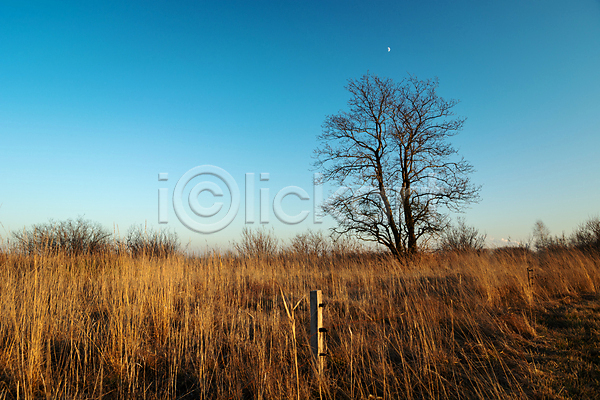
(98, 98)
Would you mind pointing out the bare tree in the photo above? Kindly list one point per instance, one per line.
(542, 238)
(390, 151)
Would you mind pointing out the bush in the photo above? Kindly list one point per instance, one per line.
(587, 235)
(350, 246)
(73, 237)
(258, 243)
(461, 238)
(141, 241)
(310, 243)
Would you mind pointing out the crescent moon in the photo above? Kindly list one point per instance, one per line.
(389, 49)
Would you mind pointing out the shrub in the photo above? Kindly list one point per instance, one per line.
(257, 243)
(141, 241)
(310, 243)
(587, 235)
(72, 237)
(461, 238)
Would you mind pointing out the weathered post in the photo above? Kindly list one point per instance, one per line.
(317, 331)
(530, 276)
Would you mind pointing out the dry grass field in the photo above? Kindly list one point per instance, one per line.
(459, 326)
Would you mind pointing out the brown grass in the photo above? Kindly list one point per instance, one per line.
(447, 326)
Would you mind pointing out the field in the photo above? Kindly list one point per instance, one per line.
(459, 326)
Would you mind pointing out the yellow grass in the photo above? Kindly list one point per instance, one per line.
(112, 326)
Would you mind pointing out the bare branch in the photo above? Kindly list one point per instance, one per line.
(394, 141)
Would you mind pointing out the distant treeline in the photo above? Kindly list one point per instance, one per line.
(81, 236)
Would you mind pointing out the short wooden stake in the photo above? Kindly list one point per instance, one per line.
(530, 276)
(317, 331)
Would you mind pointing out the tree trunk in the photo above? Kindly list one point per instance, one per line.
(409, 221)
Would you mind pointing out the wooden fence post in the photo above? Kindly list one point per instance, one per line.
(317, 331)
(530, 277)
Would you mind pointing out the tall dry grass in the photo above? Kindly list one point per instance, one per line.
(115, 326)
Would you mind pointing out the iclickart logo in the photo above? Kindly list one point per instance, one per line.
(219, 188)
